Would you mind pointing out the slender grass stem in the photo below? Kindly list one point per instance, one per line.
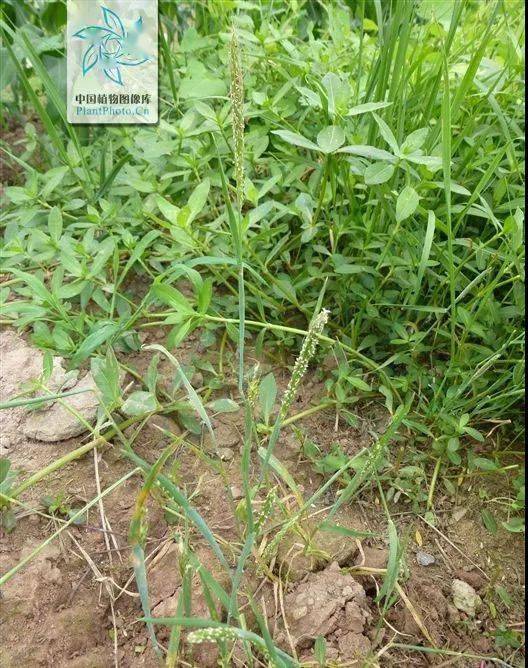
(290, 330)
(432, 486)
(446, 161)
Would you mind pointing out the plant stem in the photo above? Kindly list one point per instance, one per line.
(291, 330)
(433, 483)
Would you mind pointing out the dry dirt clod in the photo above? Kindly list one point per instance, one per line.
(81, 626)
(374, 557)
(296, 556)
(21, 364)
(197, 379)
(162, 430)
(57, 423)
(472, 577)
(237, 492)
(453, 614)
(465, 597)
(225, 454)
(330, 604)
(227, 435)
(430, 604)
(60, 379)
(457, 515)
(165, 580)
(165, 590)
(289, 448)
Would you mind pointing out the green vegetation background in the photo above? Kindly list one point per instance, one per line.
(384, 161)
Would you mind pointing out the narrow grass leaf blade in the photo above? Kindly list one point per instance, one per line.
(15, 403)
(194, 399)
(180, 498)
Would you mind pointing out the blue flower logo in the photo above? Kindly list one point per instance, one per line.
(112, 46)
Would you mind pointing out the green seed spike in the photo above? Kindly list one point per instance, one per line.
(208, 635)
(301, 363)
(237, 111)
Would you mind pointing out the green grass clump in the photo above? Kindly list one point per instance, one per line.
(383, 155)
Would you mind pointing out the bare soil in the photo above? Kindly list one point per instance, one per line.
(76, 604)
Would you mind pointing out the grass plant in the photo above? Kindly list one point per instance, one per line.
(348, 193)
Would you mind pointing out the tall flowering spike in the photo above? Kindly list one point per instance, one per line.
(237, 107)
(301, 363)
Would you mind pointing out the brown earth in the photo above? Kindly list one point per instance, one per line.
(75, 604)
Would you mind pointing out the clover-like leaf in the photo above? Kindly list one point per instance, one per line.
(90, 59)
(366, 107)
(370, 152)
(386, 133)
(378, 172)
(113, 21)
(296, 139)
(407, 203)
(415, 140)
(330, 139)
(337, 92)
(139, 403)
(432, 162)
